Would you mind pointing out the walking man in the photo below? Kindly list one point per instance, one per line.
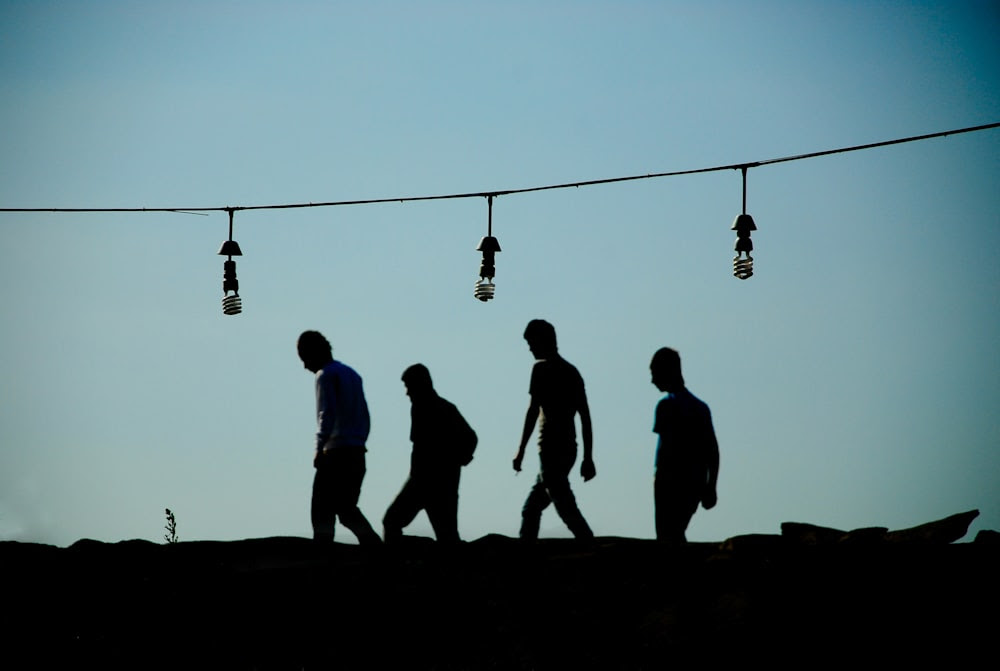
(557, 395)
(443, 442)
(687, 454)
(342, 415)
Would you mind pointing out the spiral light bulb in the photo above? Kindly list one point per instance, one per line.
(232, 304)
(484, 287)
(743, 225)
(743, 267)
(489, 246)
(743, 262)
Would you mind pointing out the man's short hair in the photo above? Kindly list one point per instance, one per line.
(313, 343)
(668, 362)
(418, 376)
(541, 332)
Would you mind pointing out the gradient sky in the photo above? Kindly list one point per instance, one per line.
(853, 380)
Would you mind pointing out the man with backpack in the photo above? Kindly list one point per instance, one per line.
(443, 442)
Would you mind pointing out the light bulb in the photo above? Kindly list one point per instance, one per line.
(232, 305)
(743, 262)
(743, 267)
(485, 288)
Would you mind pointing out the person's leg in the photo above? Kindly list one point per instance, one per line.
(402, 511)
(442, 505)
(349, 472)
(531, 514)
(555, 476)
(322, 513)
(675, 506)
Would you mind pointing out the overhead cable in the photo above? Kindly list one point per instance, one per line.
(507, 192)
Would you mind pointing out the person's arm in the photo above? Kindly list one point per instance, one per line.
(587, 468)
(530, 418)
(466, 438)
(710, 497)
(325, 411)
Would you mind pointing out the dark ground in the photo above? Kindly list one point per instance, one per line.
(496, 604)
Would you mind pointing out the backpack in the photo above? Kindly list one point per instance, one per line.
(463, 439)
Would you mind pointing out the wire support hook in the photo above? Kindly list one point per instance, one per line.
(489, 216)
(743, 168)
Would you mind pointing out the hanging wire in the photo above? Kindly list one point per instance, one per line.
(493, 193)
(744, 169)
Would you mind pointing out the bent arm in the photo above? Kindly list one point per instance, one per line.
(587, 468)
(530, 417)
(326, 416)
(587, 431)
(710, 497)
(713, 464)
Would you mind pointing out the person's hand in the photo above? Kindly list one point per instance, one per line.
(518, 458)
(709, 499)
(316, 458)
(588, 470)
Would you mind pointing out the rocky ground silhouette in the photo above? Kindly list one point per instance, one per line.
(810, 595)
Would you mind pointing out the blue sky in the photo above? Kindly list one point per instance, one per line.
(853, 380)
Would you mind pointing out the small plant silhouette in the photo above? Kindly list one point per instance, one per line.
(171, 527)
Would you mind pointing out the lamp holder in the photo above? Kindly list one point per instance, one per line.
(743, 225)
(232, 304)
(489, 246)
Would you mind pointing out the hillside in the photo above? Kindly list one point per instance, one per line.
(809, 594)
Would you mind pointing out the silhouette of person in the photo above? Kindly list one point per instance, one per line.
(342, 415)
(443, 442)
(557, 395)
(687, 454)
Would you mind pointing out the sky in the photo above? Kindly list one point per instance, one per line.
(854, 380)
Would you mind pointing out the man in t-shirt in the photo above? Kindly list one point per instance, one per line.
(687, 454)
(342, 416)
(443, 442)
(557, 395)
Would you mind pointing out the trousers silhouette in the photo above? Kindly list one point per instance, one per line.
(552, 486)
(336, 488)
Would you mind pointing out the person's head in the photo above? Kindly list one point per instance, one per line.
(418, 381)
(541, 337)
(314, 350)
(666, 370)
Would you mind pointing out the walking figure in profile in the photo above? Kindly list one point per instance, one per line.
(342, 415)
(443, 442)
(687, 454)
(557, 396)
